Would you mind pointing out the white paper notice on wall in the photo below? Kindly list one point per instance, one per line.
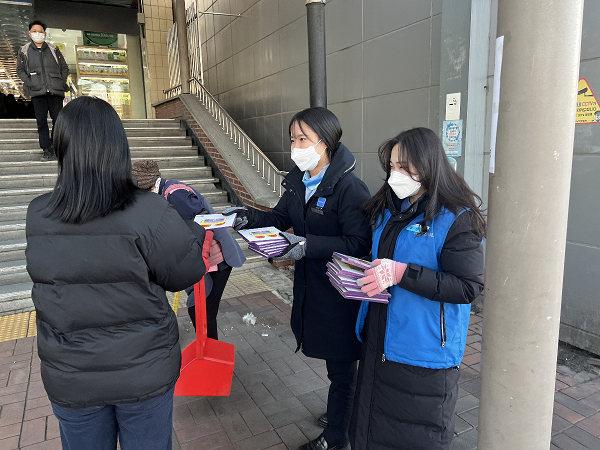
(453, 106)
(496, 101)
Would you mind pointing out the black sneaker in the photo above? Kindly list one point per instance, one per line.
(48, 155)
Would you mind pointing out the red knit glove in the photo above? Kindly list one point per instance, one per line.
(385, 273)
(206, 247)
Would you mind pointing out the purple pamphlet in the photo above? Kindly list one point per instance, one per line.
(344, 271)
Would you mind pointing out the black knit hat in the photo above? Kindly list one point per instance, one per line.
(145, 172)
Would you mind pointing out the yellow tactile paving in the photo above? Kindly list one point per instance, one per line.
(244, 284)
(16, 326)
(32, 331)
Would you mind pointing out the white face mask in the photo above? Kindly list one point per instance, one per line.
(403, 185)
(38, 38)
(306, 158)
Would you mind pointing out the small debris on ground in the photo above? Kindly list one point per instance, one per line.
(249, 319)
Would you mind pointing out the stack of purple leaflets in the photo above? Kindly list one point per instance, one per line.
(265, 241)
(344, 271)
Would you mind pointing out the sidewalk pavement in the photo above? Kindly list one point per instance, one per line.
(276, 394)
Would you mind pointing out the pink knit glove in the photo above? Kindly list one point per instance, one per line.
(384, 274)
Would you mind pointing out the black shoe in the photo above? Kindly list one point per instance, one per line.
(322, 420)
(48, 155)
(321, 444)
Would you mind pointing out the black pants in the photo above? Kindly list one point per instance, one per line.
(219, 279)
(42, 105)
(342, 375)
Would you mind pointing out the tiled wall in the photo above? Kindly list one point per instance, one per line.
(159, 18)
(581, 301)
(382, 70)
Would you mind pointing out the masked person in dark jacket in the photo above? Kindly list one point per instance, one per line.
(44, 72)
(322, 202)
(427, 232)
(101, 252)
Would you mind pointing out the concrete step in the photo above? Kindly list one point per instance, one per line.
(156, 152)
(127, 123)
(31, 180)
(179, 162)
(28, 161)
(49, 180)
(140, 141)
(15, 298)
(28, 167)
(180, 173)
(13, 212)
(29, 133)
(13, 229)
(13, 272)
(12, 250)
(18, 196)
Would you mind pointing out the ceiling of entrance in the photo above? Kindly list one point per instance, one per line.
(124, 3)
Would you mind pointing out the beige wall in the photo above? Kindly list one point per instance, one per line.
(159, 18)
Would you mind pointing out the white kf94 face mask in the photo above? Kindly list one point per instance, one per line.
(403, 185)
(306, 158)
(38, 38)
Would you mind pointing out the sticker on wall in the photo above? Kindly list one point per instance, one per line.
(452, 162)
(588, 109)
(452, 137)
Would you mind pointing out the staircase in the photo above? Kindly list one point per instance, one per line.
(23, 177)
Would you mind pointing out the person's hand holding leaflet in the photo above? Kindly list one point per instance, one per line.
(296, 248)
(385, 273)
(244, 217)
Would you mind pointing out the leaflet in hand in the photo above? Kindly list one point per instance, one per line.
(213, 221)
(344, 271)
(264, 241)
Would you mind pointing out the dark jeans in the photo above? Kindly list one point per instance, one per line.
(219, 279)
(42, 105)
(146, 425)
(342, 375)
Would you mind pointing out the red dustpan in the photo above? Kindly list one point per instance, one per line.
(206, 364)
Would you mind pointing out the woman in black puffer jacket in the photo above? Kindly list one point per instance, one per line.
(101, 253)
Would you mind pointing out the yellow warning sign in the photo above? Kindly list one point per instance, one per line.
(588, 109)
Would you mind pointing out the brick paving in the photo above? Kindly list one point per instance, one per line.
(276, 394)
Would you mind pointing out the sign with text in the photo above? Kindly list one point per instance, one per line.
(588, 109)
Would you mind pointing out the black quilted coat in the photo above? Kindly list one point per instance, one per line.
(106, 332)
(322, 320)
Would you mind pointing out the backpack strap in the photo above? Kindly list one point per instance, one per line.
(176, 187)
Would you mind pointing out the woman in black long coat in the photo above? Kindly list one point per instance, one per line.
(322, 203)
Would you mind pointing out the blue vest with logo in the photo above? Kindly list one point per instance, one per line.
(421, 332)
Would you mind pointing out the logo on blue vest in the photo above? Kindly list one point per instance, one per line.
(416, 228)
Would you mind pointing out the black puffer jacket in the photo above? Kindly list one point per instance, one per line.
(43, 70)
(322, 320)
(106, 332)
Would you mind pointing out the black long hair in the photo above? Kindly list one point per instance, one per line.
(423, 149)
(94, 163)
(324, 123)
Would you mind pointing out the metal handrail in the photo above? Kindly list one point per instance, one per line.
(249, 149)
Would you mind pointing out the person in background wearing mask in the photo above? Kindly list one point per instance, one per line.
(225, 252)
(44, 72)
(322, 202)
(427, 232)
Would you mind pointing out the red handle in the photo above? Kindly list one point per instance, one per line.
(200, 308)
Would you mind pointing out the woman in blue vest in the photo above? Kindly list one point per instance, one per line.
(427, 232)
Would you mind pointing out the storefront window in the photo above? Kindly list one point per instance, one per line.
(98, 66)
